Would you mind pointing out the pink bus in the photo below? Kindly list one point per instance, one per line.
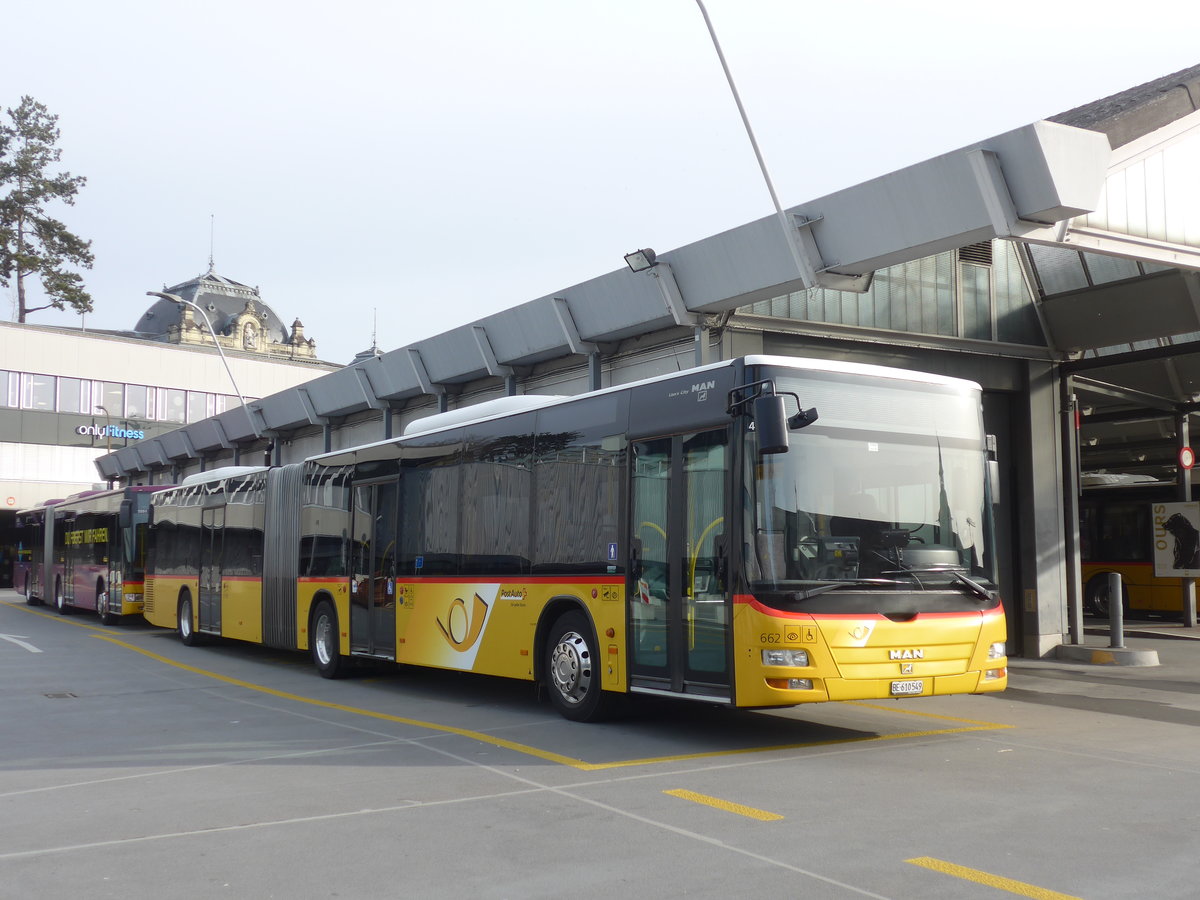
(86, 552)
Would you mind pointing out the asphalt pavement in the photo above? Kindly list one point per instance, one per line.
(1166, 691)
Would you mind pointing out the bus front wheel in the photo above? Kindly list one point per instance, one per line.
(30, 600)
(183, 622)
(572, 670)
(323, 642)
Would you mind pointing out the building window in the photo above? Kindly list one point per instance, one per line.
(8, 389)
(72, 397)
(139, 401)
(171, 403)
(199, 406)
(110, 395)
(976, 301)
(37, 391)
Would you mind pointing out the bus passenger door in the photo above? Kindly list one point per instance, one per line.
(679, 607)
(208, 604)
(63, 528)
(373, 588)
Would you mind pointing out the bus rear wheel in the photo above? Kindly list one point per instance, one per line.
(183, 622)
(60, 601)
(30, 600)
(323, 641)
(572, 670)
(1097, 596)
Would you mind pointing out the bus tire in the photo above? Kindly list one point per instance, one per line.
(572, 667)
(1096, 596)
(102, 610)
(184, 626)
(30, 600)
(323, 641)
(60, 601)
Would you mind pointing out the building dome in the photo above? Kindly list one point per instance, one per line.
(223, 299)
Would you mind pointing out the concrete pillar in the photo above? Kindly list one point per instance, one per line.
(1040, 514)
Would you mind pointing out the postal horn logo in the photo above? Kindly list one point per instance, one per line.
(461, 629)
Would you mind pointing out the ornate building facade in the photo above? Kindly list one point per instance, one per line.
(240, 318)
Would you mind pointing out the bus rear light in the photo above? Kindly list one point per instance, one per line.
(994, 674)
(790, 684)
(785, 657)
(997, 650)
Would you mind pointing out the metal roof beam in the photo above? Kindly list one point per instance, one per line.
(314, 418)
(669, 287)
(566, 321)
(1128, 395)
(1167, 351)
(422, 374)
(484, 343)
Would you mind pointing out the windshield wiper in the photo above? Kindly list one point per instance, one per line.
(971, 584)
(836, 585)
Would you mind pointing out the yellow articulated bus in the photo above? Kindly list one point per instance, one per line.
(760, 532)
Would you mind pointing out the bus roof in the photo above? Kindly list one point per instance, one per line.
(501, 406)
(221, 473)
(498, 408)
(855, 368)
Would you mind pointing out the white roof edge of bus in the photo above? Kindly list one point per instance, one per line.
(218, 474)
(548, 400)
(501, 406)
(855, 368)
(760, 359)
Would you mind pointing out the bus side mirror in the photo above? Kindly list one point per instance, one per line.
(993, 468)
(125, 514)
(770, 423)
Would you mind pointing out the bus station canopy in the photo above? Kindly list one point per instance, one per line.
(1107, 197)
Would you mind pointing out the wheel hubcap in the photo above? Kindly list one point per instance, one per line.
(321, 637)
(571, 668)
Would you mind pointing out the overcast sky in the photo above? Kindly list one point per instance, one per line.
(434, 161)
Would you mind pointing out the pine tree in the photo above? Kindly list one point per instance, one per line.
(31, 241)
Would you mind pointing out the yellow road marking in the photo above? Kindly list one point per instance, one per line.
(749, 811)
(985, 726)
(968, 725)
(927, 715)
(66, 620)
(354, 710)
(1019, 888)
(547, 755)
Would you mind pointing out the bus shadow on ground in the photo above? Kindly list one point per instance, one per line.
(639, 727)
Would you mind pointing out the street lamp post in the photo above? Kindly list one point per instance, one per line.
(175, 298)
(107, 429)
(807, 274)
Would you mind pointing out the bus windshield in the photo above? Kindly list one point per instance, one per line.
(886, 491)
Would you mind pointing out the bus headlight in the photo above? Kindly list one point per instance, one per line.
(785, 657)
(996, 650)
